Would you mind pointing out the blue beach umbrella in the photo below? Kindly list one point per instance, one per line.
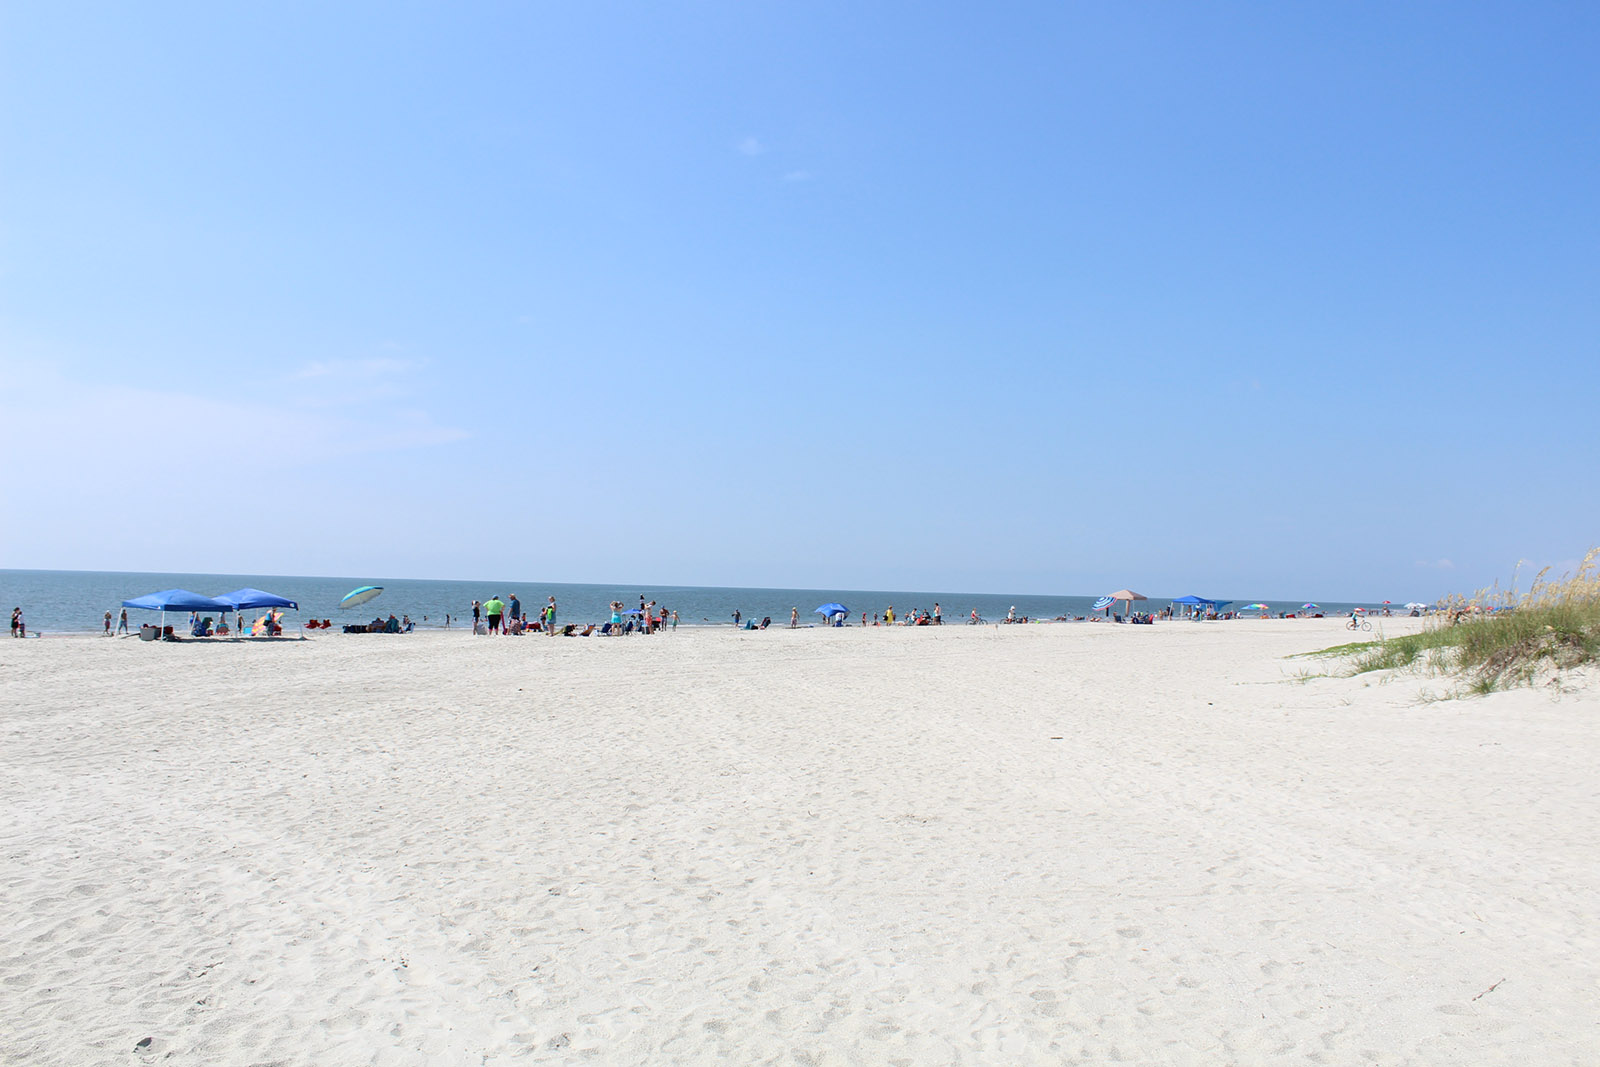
(832, 609)
(1104, 602)
(357, 597)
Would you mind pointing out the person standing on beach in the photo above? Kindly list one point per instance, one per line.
(794, 617)
(735, 618)
(550, 617)
(938, 618)
(18, 627)
(516, 613)
(888, 615)
(122, 622)
(674, 621)
(108, 622)
(476, 608)
(494, 607)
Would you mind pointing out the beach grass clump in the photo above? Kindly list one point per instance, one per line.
(1497, 639)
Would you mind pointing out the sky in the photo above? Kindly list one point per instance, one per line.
(1241, 299)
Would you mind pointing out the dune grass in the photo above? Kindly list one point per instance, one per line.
(1498, 639)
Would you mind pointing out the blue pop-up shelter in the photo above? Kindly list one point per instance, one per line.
(1199, 601)
(834, 612)
(176, 600)
(248, 599)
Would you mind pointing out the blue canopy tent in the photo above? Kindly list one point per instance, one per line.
(176, 600)
(248, 599)
(1200, 601)
(244, 599)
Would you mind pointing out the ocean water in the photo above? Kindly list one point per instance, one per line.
(75, 601)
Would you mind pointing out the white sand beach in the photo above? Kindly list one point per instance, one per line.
(969, 845)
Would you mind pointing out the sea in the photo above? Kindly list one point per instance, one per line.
(67, 602)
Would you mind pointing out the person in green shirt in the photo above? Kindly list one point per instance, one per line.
(494, 608)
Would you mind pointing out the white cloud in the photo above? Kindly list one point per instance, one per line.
(343, 382)
(361, 369)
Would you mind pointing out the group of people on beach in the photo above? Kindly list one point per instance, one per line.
(496, 616)
(647, 619)
(914, 617)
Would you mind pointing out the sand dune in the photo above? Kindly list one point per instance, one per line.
(1015, 845)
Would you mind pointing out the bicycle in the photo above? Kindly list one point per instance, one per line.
(1356, 623)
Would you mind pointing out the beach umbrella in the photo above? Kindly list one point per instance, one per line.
(1255, 607)
(1414, 604)
(357, 597)
(1129, 595)
(1308, 607)
(1104, 602)
(832, 608)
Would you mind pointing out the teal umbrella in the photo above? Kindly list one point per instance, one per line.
(357, 597)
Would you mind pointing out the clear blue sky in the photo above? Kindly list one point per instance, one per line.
(1263, 300)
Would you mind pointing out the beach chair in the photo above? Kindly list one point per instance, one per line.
(605, 631)
(586, 631)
